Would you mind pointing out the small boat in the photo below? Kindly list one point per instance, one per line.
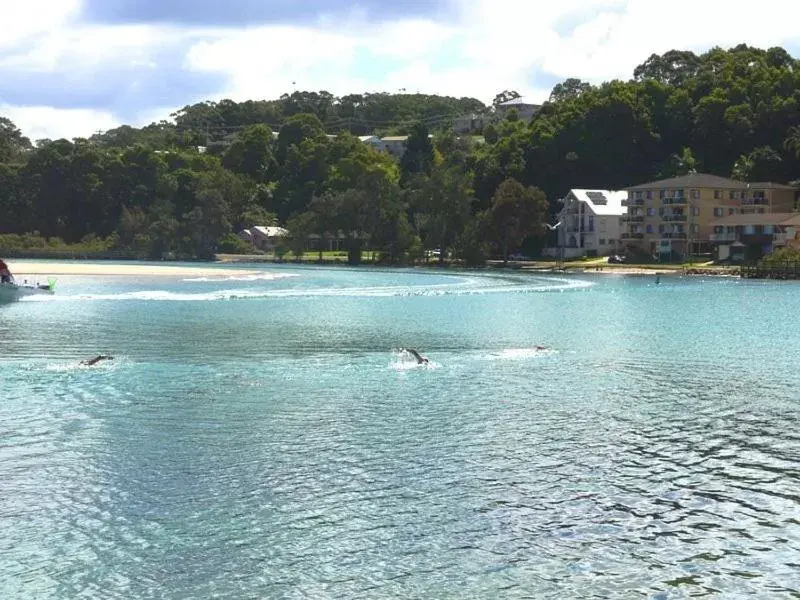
(11, 291)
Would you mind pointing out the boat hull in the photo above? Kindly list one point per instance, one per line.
(10, 292)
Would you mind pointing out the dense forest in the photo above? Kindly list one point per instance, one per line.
(183, 187)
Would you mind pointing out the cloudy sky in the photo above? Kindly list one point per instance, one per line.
(71, 67)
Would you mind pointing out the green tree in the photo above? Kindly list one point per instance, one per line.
(418, 157)
(251, 154)
(517, 212)
(13, 145)
(298, 129)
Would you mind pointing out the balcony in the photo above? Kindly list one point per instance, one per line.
(721, 238)
(632, 236)
(755, 202)
(673, 236)
(674, 201)
(674, 218)
(632, 218)
(780, 239)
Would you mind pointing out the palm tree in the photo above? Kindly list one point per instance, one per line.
(792, 141)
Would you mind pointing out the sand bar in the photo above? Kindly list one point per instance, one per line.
(79, 267)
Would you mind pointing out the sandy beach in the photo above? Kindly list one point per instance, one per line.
(21, 268)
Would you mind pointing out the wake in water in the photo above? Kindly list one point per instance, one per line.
(551, 285)
(249, 277)
(520, 353)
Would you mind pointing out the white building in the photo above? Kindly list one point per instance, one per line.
(525, 109)
(591, 223)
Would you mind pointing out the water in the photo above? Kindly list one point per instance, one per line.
(264, 438)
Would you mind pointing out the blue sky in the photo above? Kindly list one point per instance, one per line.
(72, 67)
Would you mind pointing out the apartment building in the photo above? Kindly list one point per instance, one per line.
(590, 223)
(672, 217)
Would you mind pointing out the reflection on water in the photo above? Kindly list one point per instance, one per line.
(279, 447)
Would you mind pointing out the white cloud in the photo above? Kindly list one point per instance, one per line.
(22, 20)
(38, 122)
(483, 48)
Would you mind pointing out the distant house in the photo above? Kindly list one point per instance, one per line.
(394, 145)
(469, 123)
(591, 223)
(739, 237)
(371, 140)
(525, 109)
(264, 238)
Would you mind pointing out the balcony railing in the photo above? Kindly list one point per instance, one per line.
(632, 218)
(722, 237)
(632, 236)
(674, 218)
(639, 202)
(673, 236)
(674, 201)
(755, 202)
(780, 238)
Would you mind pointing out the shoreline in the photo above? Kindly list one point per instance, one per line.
(225, 268)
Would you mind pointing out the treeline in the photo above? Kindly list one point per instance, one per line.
(732, 113)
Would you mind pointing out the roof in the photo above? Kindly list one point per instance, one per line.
(693, 180)
(366, 138)
(787, 219)
(395, 138)
(602, 202)
(521, 101)
(270, 231)
(771, 185)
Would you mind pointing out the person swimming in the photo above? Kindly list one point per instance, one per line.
(93, 361)
(421, 360)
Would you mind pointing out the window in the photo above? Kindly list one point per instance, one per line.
(735, 195)
(678, 228)
(637, 195)
(660, 229)
(695, 228)
(591, 223)
(718, 212)
(717, 194)
(649, 194)
(769, 229)
(679, 193)
(661, 211)
(649, 229)
(662, 194)
(695, 211)
(719, 229)
(695, 194)
(731, 211)
(602, 242)
(749, 229)
(651, 212)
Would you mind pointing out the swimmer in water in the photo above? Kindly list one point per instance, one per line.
(93, 361)
(421, 360)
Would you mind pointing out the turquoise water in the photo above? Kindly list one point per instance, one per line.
(263, 437)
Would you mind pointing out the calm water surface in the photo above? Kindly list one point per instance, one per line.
(262, 437)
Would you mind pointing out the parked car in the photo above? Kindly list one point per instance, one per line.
(616, 259)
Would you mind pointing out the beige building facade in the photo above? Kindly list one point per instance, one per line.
(672, 217)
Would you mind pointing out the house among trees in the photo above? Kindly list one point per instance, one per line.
(525, 109)
(264, 238)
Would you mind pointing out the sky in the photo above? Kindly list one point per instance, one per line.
(70, 68)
